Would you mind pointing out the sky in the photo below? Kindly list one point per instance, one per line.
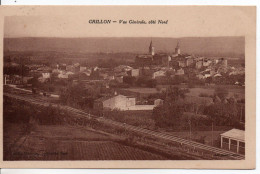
(183, 21)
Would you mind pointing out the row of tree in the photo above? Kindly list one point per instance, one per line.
(222, 112)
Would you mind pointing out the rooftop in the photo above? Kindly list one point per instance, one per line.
(144, 56)
(236, 134)
(109, 97)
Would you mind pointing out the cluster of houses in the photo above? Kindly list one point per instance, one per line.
(178, 64)
(152, 65)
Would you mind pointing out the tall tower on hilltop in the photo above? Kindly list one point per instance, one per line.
(177, 49)
(151, 48)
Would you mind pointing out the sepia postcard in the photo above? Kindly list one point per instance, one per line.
(128, 87)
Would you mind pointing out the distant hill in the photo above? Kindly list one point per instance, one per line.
(205, 46)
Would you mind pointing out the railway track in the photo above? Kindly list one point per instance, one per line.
(26, 96)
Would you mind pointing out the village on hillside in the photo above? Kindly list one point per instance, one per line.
(190, 96)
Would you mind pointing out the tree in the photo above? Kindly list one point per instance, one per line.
(174, 94)
(223, 113)
(151, 83)
(129, 80)
(170, 113)
(77, 96)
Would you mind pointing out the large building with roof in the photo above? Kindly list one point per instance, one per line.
(119, 102)
(233, 140)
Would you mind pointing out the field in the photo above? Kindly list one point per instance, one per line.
(143, 90)
(135, 118)
(236, 91)
(70, 143)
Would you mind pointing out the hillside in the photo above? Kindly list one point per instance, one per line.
(205, 46)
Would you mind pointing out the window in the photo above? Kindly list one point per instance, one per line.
(241, 144)
(233, 142)
(225, 140)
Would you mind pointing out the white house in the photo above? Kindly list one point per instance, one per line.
(179, 72)
(46, 75)
(159, 73)
(63, 76)
(120, 102)
(82, 68)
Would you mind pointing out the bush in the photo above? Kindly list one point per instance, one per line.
(204, 95)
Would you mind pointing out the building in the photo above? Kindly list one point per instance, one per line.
(69, 68)
(144, 60)
(189, 61)
(73, 68)
(69, 73)
(223, 62)
(134, 72)
(199, 64)
(233, 140)
(25, 80)
(76, 67)
(46, 75)
(182, 63)
(152, 58)
(200, 76)
(63, 76)
(206, 63)
(158, 102)
(159, 73)
(82, 68)
(161, 59)
(103, 75)
(122, 68)
(179, 72)
(119, 102)
(119, 79)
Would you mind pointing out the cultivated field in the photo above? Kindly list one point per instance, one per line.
(143, 90)
(237, 92)
(71, 143)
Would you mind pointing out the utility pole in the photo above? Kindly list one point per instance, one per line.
(212, 133)
(190, 128)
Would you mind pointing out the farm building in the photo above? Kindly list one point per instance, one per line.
(120, 102)
(233, 140)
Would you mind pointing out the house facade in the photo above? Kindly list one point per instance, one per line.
(233, 140)
(119, 102)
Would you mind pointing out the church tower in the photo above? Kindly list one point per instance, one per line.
(177, 49)
(151, 49)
